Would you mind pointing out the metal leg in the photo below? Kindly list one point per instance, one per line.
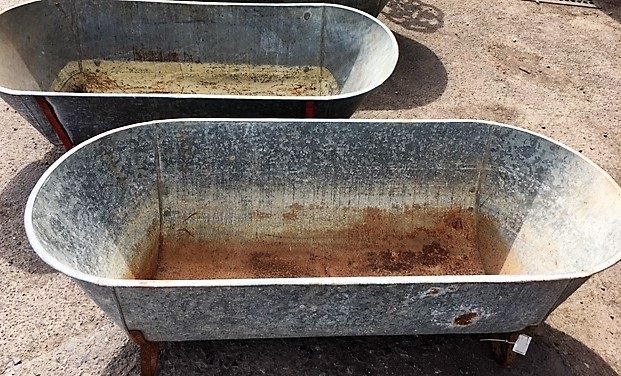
(149, 353)
(502, 351)
(506, 347)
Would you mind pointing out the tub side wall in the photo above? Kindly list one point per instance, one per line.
(37, 39)
(196, 33)
(98, 212)
(373, 7)
(215, 176)
(88, 116)
(274, 311)
(14, 73)
(570, 288)
(363, 43)
(560, 214)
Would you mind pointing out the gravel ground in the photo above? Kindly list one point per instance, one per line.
(552, 69)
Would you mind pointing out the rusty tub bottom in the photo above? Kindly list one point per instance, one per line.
(315, 241)
(148, 77)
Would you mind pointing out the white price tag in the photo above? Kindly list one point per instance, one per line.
(521, 345)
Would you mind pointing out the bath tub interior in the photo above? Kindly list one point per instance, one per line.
(226, 200)
(86, 46)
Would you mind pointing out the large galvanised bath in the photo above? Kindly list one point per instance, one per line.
(211, 229)
(77, 68)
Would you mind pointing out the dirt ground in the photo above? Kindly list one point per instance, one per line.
(552, 69)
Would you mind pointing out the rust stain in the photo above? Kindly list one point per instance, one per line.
(292, 214)
(374, 242)
(392, 261)
(296, 206)
(149, 353)
(433, 254)
(50, 115)
(455, 223)
(412, 209)
(466, 319)
(91, 82)
(259, 215)
(267, 263)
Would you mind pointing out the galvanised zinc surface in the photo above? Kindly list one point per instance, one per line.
(373, 7)
(249, 167)
(510, 173)
(196, 313)
(541, 192)
(101, 204)
(39, 38)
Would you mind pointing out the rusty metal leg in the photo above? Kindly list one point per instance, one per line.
(149, 353)
(503, 353)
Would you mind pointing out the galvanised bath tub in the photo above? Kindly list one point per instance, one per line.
(77, 68)
(210, 229)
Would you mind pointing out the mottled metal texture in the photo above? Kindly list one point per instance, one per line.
(309, 310)
(373, 7)
(38, 39)
(267, 170)
(554, 195)
(117, 200)
(86, 216)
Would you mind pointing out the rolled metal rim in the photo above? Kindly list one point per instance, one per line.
(387, 280)
(393, 42)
